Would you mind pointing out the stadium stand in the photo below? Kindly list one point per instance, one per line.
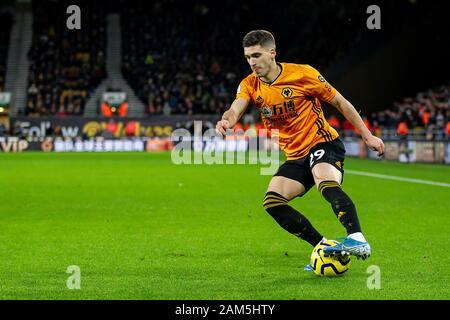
(5, 29)
(172, 58)
(66, 65)
(186, 58)
(423, 116)
(183, 57)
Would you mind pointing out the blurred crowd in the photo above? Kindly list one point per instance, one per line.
(180, 57)
(427, 114)
(187, 57)
(66, 65)
(184, 57)
(179, 60)
(423, 116)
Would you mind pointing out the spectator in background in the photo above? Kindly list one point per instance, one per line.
(402, 132)
(66, 66)
(17, 130)
(2, 130)
(447, 130)
(334, 122)
(111, 128)
(426, 116)
(177, 60)
(131, 129)
(402, 129)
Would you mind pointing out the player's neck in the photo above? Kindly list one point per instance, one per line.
(273, 74)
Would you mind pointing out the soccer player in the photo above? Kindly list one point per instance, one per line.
(288, 97)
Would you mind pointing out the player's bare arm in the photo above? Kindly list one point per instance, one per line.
(232, 115)
(350, 113)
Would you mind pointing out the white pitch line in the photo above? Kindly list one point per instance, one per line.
(383, 176)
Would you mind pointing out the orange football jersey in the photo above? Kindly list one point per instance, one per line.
(291, 104)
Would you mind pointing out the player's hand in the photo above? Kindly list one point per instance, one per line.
(375, 143)
(222, 126)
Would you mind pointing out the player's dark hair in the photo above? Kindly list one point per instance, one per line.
(258, 37)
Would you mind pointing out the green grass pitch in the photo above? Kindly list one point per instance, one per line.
(140, 227)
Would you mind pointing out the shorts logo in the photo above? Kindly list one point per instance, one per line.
(266, 112)
(338, 163)
(321, 79)
(286, 92)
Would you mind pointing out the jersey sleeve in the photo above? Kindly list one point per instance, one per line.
(316, 85)
(244, 90)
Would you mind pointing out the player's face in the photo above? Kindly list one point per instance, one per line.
(260, 59)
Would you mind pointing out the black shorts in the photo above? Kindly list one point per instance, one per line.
(332, 152)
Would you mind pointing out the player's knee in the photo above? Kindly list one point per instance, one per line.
(272, 200)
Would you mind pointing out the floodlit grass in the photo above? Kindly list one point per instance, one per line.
(140, 227)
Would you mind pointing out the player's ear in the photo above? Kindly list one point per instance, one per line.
(272, 53)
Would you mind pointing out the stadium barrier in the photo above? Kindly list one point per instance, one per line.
(86, 134)
(72, 127)
(99, 144)
(403, 151)
(409, 151)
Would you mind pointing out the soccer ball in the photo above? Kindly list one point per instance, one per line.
(328, 266)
